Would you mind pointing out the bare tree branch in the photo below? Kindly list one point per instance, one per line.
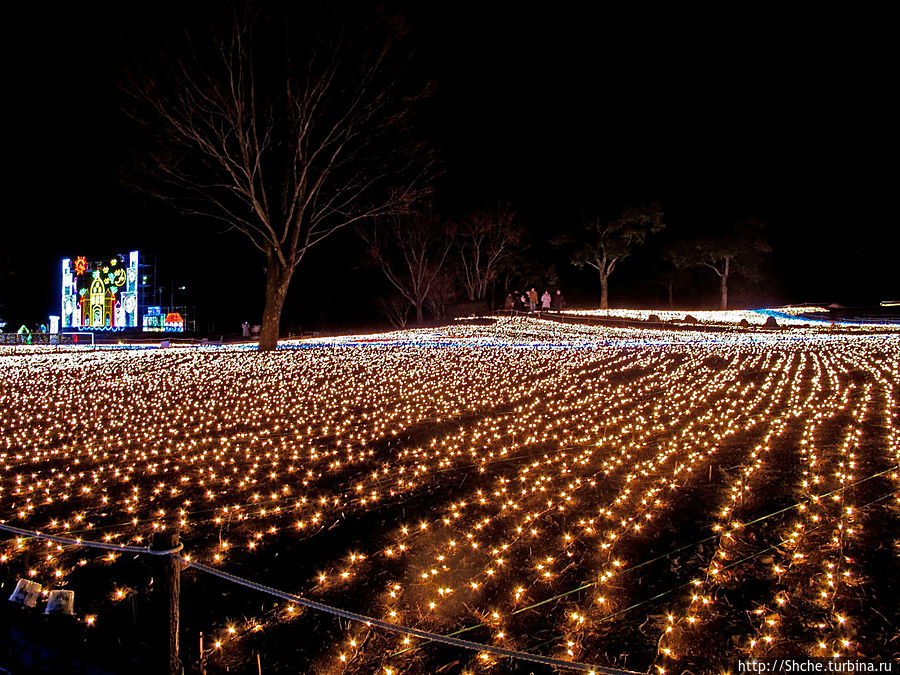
(411, 251)
(486, 240)
(286, 152)
(609, 241)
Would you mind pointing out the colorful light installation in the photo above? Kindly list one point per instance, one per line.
(100, 294)
(155, 321)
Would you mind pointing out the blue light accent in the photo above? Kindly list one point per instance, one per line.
(793, 317)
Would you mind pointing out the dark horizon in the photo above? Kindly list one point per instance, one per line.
(782, 118)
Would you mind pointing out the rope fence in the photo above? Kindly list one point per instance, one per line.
(120, 548)
(322, 607)
(448, 639)
(407, 630)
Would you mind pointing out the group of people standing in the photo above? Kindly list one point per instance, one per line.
(527, 301)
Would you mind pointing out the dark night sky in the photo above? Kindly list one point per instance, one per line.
(789, 118)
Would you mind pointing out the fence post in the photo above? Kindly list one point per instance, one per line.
(167, 599)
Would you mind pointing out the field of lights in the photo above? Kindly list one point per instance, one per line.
(795, 316)
(654, 501)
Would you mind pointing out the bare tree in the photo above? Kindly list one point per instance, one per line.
(444, 291)
(719, 261)
(395, 308)
(666, 275)
(285, 150)
(486, 241)
(609, 241)
(736, 249)
(671, 267)
(411, 251)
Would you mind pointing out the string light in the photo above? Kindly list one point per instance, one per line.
(510, 464)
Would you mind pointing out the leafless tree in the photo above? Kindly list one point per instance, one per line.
(609, 241)
(286, 153)
(739, 248)
(486, 240)
(411, 250)
(444, 291)
(395, 308)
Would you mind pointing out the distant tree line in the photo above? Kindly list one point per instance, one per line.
(432, 262)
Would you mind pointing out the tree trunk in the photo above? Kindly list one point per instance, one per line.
(604, 291)
(420, 315)
(669, 286)
(483, 288)
(277, 281)
(724, 282)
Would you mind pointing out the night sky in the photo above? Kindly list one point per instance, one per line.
(788, 118)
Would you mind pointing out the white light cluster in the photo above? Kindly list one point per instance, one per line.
(785, 316)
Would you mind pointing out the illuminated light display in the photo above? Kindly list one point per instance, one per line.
(101, 294)
(583, 483)
(174, 322)
(155, 321)
(791, 316)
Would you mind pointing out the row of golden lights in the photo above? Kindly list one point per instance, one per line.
(561, 440)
